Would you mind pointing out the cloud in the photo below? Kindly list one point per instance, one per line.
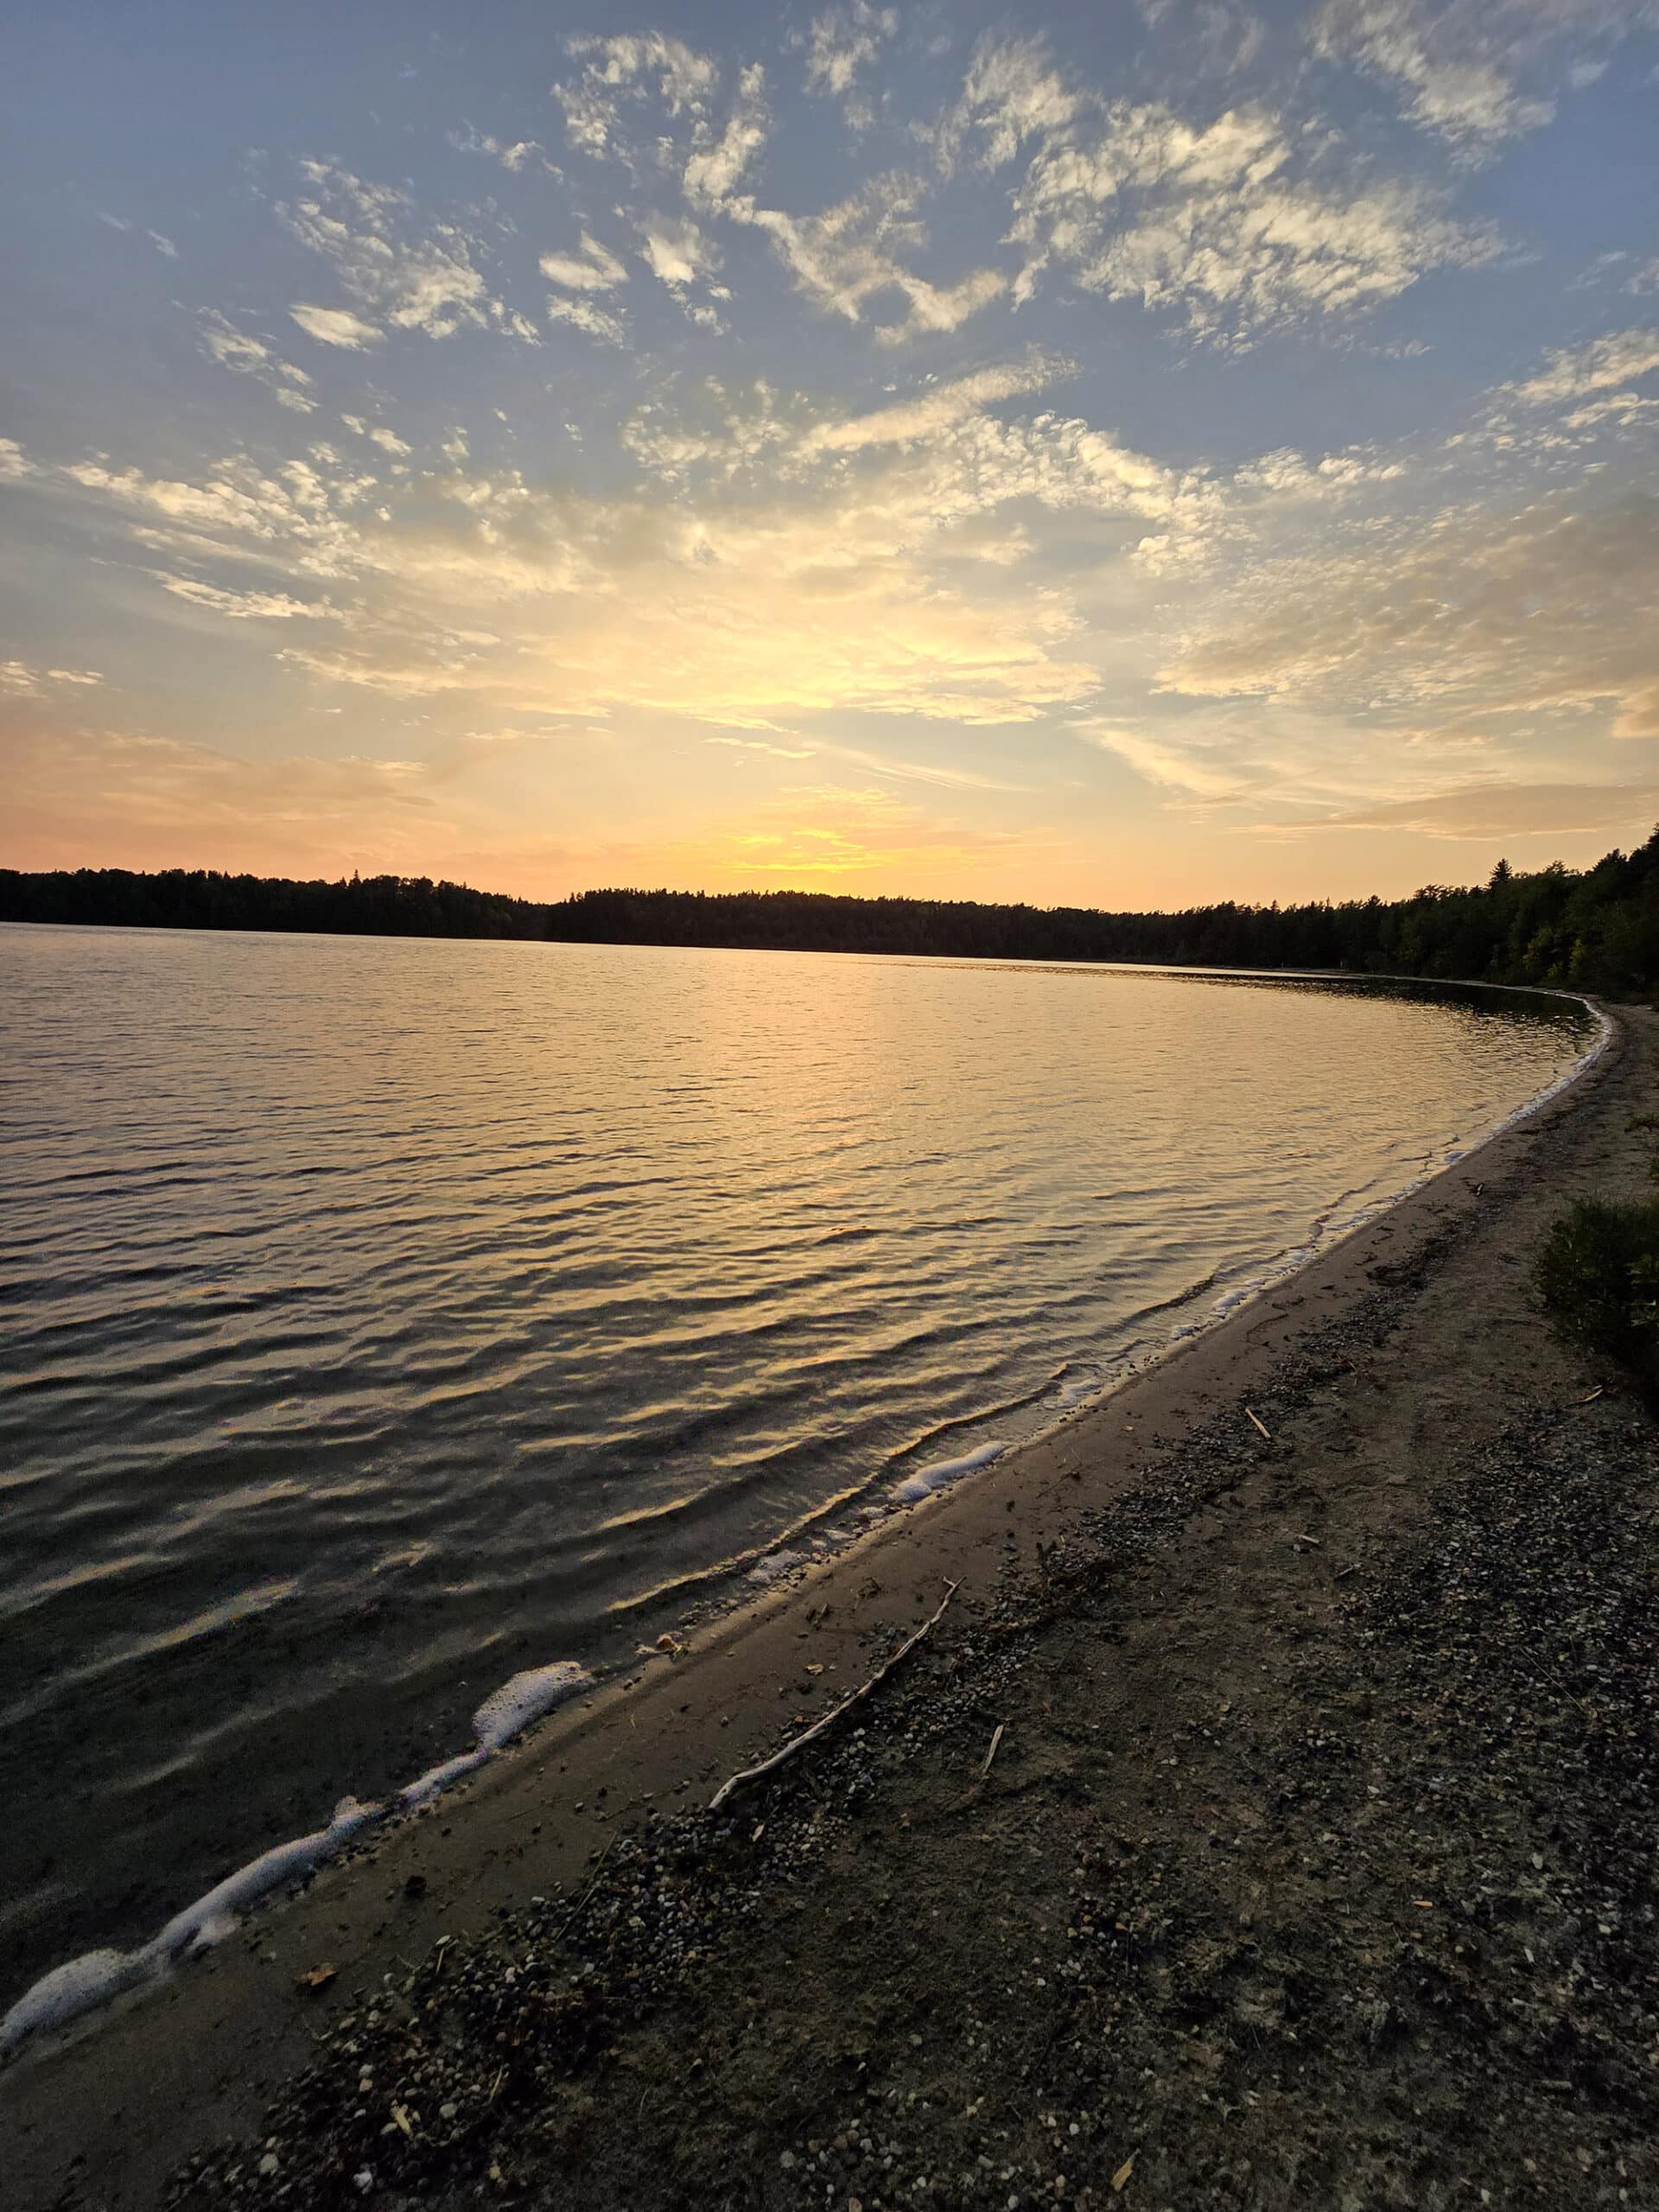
(522, 154)
(1219, 36)
(376, 433)
(1476, 73)
(403, 275)
(1172, 766)
(593, 268)
(1540, 613)
(940, 408)
(848, 256)
(335, 327)
(592, 321)
(300, 515)
(718, 164)
(842, 41)
(1240, 224)
(236, 350)
(1577, 372)
(23, 680)
(619, 73)
(1482, 812)
(162, 244)
(245, 606)
(676, 251)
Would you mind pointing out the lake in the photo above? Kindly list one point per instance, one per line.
(385, 1317)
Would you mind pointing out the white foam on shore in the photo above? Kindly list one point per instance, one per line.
(926, 1480)
(212, 1918)
(425, 1786)
(526, 1698)
(68, 1991)
(77, 1986)
(93, 1979)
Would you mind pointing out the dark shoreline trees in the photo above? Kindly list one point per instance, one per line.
(1595, 930)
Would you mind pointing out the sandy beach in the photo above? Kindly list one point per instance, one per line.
(1267, 1820)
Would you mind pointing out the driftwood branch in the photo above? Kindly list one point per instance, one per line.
(729, 1789)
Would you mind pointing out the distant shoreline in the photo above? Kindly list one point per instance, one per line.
(1551, 929)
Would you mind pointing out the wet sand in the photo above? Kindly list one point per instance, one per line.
(1140, 1599)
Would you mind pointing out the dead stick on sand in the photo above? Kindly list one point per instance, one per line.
(1260, 1424)
(996, 1740)
(569, 1918)
(737, 1781)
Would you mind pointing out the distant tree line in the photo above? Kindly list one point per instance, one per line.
(1597, 929)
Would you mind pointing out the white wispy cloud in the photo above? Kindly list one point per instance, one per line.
(335, 327)
(519, 155)
(941, 407)
(676, 251)
(593, 322)
(1239, 224)
(163, 244)
(853, 254)
(1540, 611)
(236, 350)
(592, 267)
(24, 680)
(1478, 73)
(1578, 372)
(842, 41)
(246, 605)
(403, 273)
(1172, 766)
(619, 73)
(720, 160)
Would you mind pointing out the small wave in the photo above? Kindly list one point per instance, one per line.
(926, 1480)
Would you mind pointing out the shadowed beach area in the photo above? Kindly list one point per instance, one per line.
(1267, 1820)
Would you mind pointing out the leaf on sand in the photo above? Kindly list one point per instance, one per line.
(1119, 2179)
(316, 1977)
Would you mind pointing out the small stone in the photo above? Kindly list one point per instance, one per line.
(269, 2164)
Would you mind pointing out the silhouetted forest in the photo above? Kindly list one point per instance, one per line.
(1597, 928)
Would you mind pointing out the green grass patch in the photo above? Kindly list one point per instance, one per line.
(1599, 1279)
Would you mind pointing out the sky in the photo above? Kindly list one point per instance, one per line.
(1127, 454)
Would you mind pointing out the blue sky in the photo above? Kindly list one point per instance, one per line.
(1128, 454)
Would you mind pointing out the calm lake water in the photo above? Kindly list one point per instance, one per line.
(384, 1318)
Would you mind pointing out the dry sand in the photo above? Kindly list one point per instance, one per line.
(1313, 1867)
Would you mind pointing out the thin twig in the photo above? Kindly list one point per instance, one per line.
(564, 1925)
(986, 1767)
(737, 1781)
(1259, 1423)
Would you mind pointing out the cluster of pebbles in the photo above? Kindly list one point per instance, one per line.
(1442, 1988)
